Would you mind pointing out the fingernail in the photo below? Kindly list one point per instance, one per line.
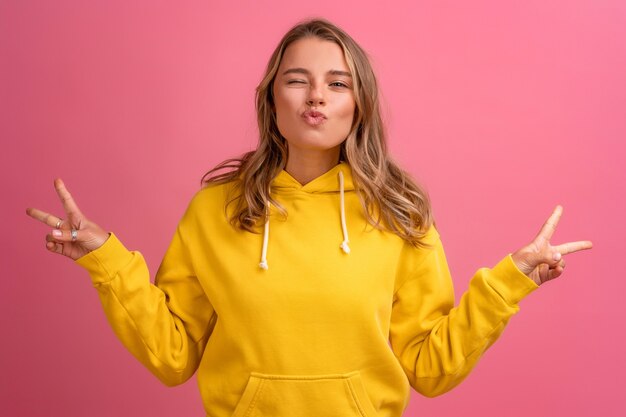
(557, 256)
(57, 233)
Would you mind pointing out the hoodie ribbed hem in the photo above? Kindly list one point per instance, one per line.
(511, 283)
(104, 263)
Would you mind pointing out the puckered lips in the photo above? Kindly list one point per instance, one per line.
(314, 117)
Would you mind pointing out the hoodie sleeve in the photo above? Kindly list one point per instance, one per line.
(166, 325)
(436, 343)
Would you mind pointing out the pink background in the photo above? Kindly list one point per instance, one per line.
(503, 109)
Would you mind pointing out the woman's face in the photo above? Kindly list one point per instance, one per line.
(314, 98)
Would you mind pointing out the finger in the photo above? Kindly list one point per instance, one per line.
(69, 205)
(548, 228)
(46, 218)
(555, 273)
(543, 270)
(53, 246)
(571, 247)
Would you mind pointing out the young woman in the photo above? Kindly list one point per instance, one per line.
(306, 278)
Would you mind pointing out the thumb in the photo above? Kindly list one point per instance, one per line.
(552, 256)
(61, 235)
(549, 257)
(90, 238)
(529, 258)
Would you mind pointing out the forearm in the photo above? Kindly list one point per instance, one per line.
(138, 312)
(448, 344)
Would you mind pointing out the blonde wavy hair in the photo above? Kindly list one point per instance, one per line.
(390, 198)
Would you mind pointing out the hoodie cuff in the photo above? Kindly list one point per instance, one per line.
(104, 263)
(511, 283)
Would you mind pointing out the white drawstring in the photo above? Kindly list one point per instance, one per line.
(344, 244)
(266, 235)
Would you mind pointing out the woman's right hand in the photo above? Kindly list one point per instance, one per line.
(73, 236)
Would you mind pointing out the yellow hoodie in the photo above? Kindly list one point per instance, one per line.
(320, 332)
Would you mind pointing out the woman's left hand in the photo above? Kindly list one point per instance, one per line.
(541, 261)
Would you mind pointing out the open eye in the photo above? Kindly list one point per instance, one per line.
(339, 84)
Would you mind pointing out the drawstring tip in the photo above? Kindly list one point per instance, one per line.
(263, 266)
(345, 247)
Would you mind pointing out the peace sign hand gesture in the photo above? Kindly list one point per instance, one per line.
(74, 236)
(541, 261)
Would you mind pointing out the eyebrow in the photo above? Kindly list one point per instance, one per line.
(307, 72)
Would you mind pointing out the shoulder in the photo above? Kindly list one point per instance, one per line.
(430, 243)
(211, 199)
(414, 257)
(426, 266)
(431, 237)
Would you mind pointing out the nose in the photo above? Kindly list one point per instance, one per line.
(316, 97)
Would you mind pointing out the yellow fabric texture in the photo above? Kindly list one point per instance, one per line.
(321, 332)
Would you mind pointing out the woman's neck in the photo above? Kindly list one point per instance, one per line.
(306, 168)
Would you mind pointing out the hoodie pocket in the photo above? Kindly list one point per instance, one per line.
(337, 395)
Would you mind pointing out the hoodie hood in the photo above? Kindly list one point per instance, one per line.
(336, 180)
(325, 183)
